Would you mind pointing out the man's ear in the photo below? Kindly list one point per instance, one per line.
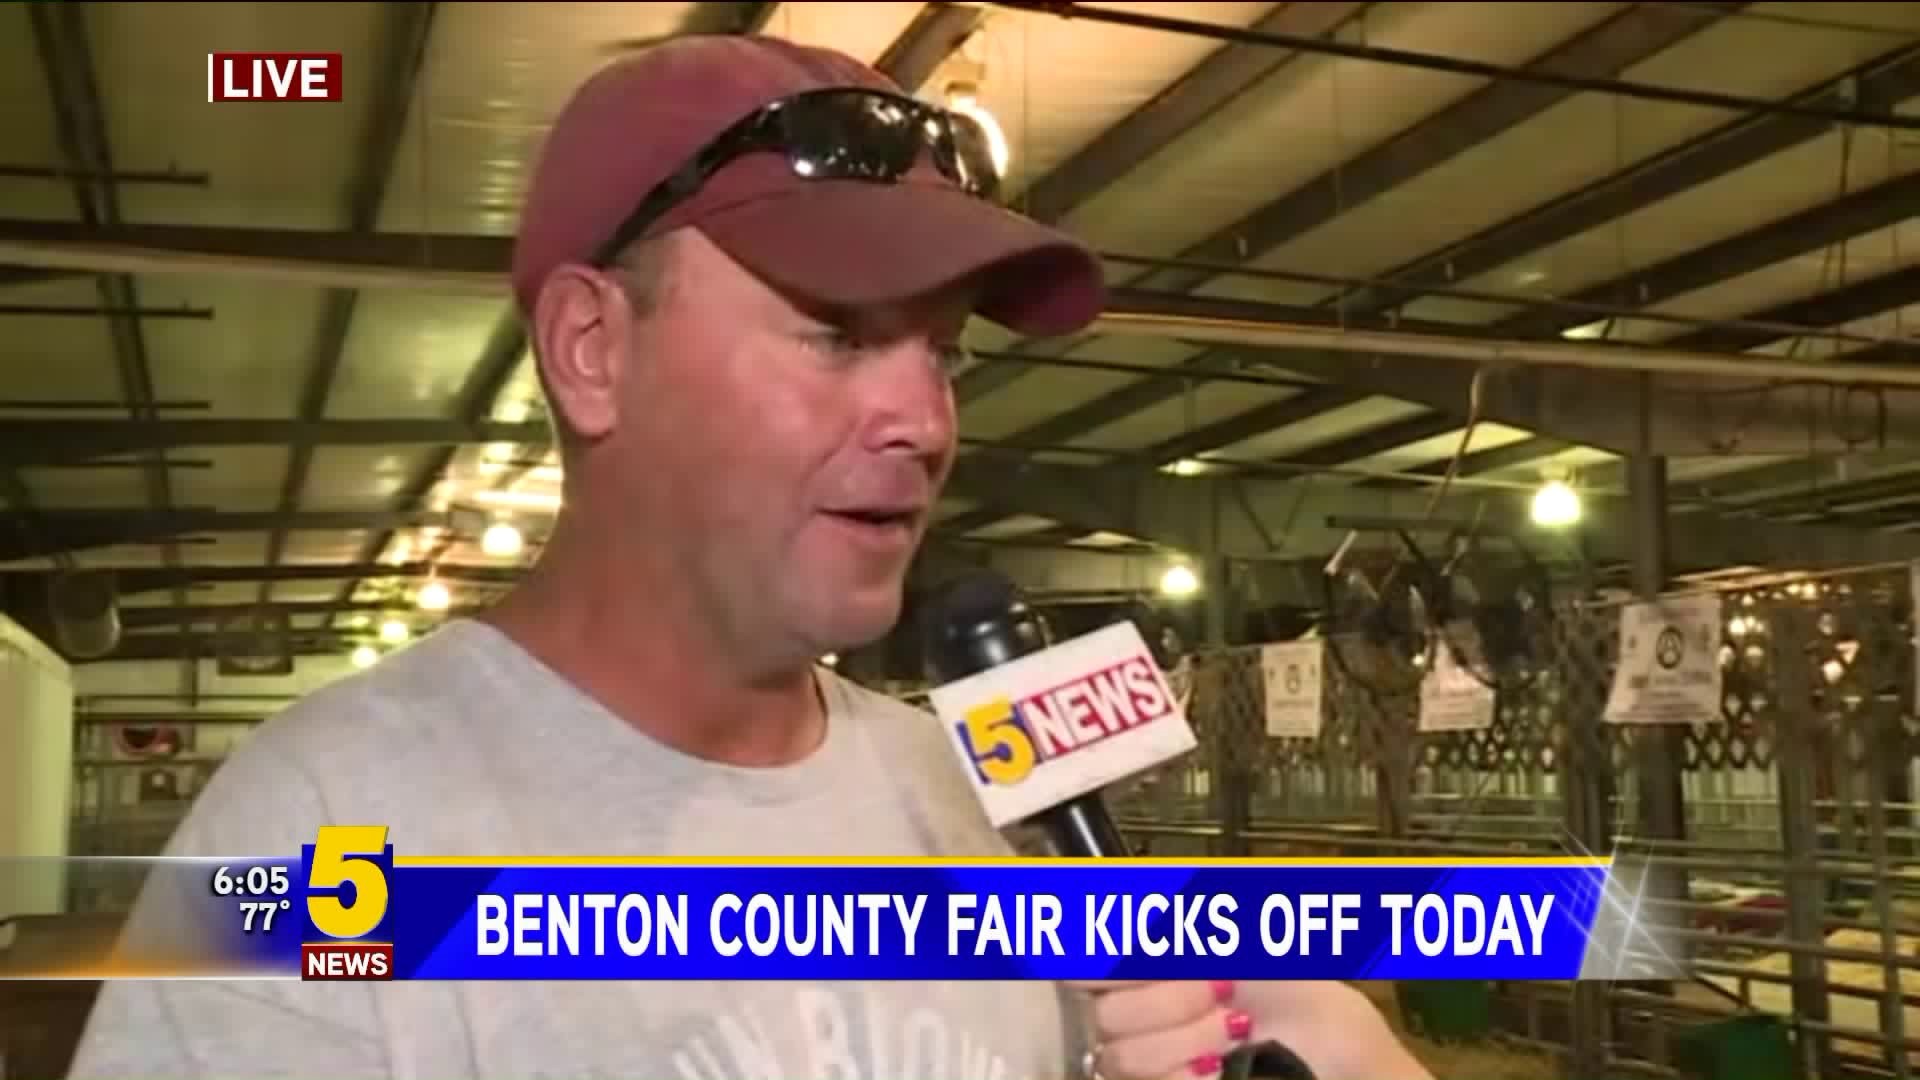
(582, 330)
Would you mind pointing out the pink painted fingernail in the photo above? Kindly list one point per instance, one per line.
(1207, 1064)
(1222, 991)
(1239, 1026)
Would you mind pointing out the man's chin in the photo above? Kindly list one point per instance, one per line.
(860, 617)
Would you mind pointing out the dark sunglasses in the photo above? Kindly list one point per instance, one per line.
(837, 134)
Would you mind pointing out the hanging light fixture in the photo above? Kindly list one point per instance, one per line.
(1179, 580)
(502, 540)
(1556, 505)
(434, 597)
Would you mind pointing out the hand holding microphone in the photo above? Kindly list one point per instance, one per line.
(1186, 1031)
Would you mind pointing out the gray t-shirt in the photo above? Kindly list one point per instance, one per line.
(465, 744)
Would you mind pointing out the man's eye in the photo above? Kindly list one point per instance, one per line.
(835, 344)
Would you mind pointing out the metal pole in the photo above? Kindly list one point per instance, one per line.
(1232, 771)
(1794, 759)
(1658, 751)
(1880, 746)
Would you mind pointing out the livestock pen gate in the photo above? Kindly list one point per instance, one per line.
(1784, 822)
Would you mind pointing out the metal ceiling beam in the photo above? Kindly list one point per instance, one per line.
(189, 615)
(79, 530)
(134, 580)
(1885, 82)
(730, 17)
(1480, 463)
(1889, 80)
(1265, 518)
(926, 43)
(405, 36)
(464, 263)
(1530, 74)
(72, 80)
(1749, 489)
(1601, 410)
(1854, 214)
(59, 442)
(203, 646)
(1195, 97)
(14, 276)
(1377, 440)
(1837, 307)
(1870, 493)
(1614, 46)
(1039, 568)
(441, 262)
(1619, 43)
(1256, 421)
(477, 263)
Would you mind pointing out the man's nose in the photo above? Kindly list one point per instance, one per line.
(910, 400)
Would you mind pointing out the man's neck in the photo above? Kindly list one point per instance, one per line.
(664, 676)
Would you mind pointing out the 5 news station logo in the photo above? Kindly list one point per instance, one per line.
(1009, 738)
(274, 76)
(346, 869)
(1059, 723)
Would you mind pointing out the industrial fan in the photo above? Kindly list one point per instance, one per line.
(255, 641)
(1391, 607)
(1376, 615)
(1495, 608)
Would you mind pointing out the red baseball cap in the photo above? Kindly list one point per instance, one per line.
(840, 242)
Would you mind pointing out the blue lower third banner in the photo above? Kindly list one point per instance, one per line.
(995, 921)
(350, 908)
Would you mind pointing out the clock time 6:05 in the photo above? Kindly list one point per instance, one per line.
(252, 881)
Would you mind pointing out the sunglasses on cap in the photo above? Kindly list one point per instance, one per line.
(836, 134)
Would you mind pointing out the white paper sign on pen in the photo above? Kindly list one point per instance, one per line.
(1669, 669)
(1290, 673)
(1451, 699)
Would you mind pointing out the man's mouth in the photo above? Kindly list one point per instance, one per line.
(878, 517)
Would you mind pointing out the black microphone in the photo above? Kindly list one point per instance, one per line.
(980, 621)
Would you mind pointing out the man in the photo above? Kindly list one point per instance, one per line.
(745, 267)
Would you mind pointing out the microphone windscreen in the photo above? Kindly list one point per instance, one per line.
(975, 621)
(971, 597)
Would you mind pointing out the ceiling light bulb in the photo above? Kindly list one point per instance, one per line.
(434, 597)
(1556, 505)
(501, 541)
(365, 656)
(394, 632)
(1179, 581)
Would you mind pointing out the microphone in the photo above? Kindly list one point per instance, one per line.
(1043, 727)
(981, 623)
